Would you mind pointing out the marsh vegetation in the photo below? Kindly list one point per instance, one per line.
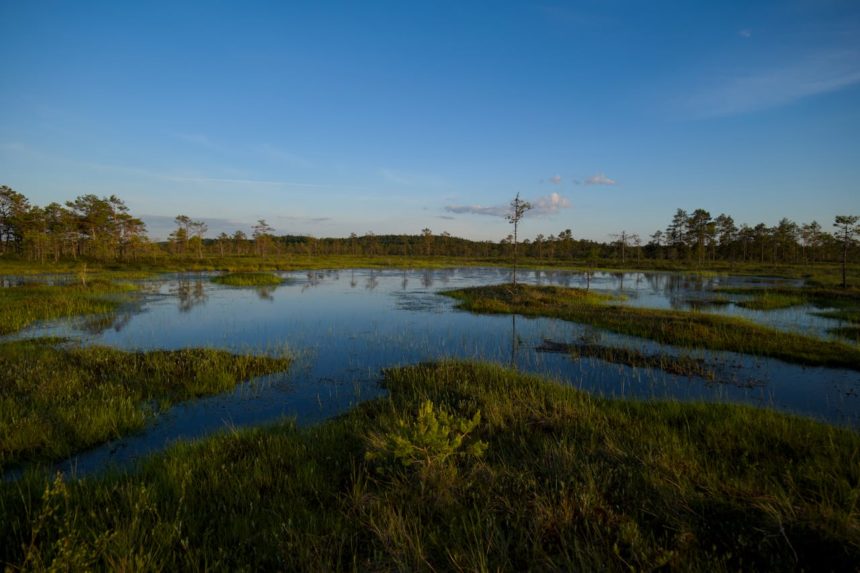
(689, 329)
(59, 398)
(527, 470)
(514, 471)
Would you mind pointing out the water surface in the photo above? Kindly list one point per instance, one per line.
(344, 327)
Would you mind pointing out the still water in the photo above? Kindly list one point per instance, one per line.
(344, 327)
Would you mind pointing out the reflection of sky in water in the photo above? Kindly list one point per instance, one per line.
(345, 326)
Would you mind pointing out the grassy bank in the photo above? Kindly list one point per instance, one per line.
(21, 306)
(466, 467)
(679, 365)
(826, 275)
(766, 298)
(689, 329)
(58, 400)
(248, 279)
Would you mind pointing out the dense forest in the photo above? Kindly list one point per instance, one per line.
(102, 228)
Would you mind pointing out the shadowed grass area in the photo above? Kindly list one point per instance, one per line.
(845, 314)
(771, 301)
(849, 332)
(690, 329)
(680, 365)
(705, 303)
(248, 279)
(23, 305)
(466, 467)
(821, 296)
(55, 401)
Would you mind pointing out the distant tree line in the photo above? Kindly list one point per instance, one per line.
(90, 226)
(102, 228)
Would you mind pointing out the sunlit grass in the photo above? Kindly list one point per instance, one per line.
(689, 329)
(563, 481)
(771, 301)
(678, 365)
(57, 400)
(21, 306)
(248, 279)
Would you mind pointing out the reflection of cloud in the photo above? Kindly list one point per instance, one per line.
(788, 82)
(542, 206)
(600, 179)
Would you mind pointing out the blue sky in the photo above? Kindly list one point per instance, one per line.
(327, 118)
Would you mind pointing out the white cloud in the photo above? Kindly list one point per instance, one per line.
(499, 211)
(600, 179)
(555, 179)
(782, 84)
(541, 206)
(745, 33)
(549, 204)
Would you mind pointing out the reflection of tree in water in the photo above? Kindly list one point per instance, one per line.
(404, 282)
(191, 293)
(445, 275)
(352, 281)
(515, 342)
(314, 279)
(427, 278)
(372, 281)
(265, 292)
(98, 324)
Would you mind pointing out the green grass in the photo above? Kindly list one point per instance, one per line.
(703, 303)
(826, 275)
(768, 300)
(248, 279)
(466, 467)
(688, 329)
(680, 365)
(844, 314)
(58, 400)
(21, 306)
(850, 332)
(816, 295)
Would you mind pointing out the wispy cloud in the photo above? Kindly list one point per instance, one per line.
(753, 90)
(600, 179)
(549, 204)
(294, 219)
(541, 206)
(497, 211)
(555, 179)
(745, 33)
